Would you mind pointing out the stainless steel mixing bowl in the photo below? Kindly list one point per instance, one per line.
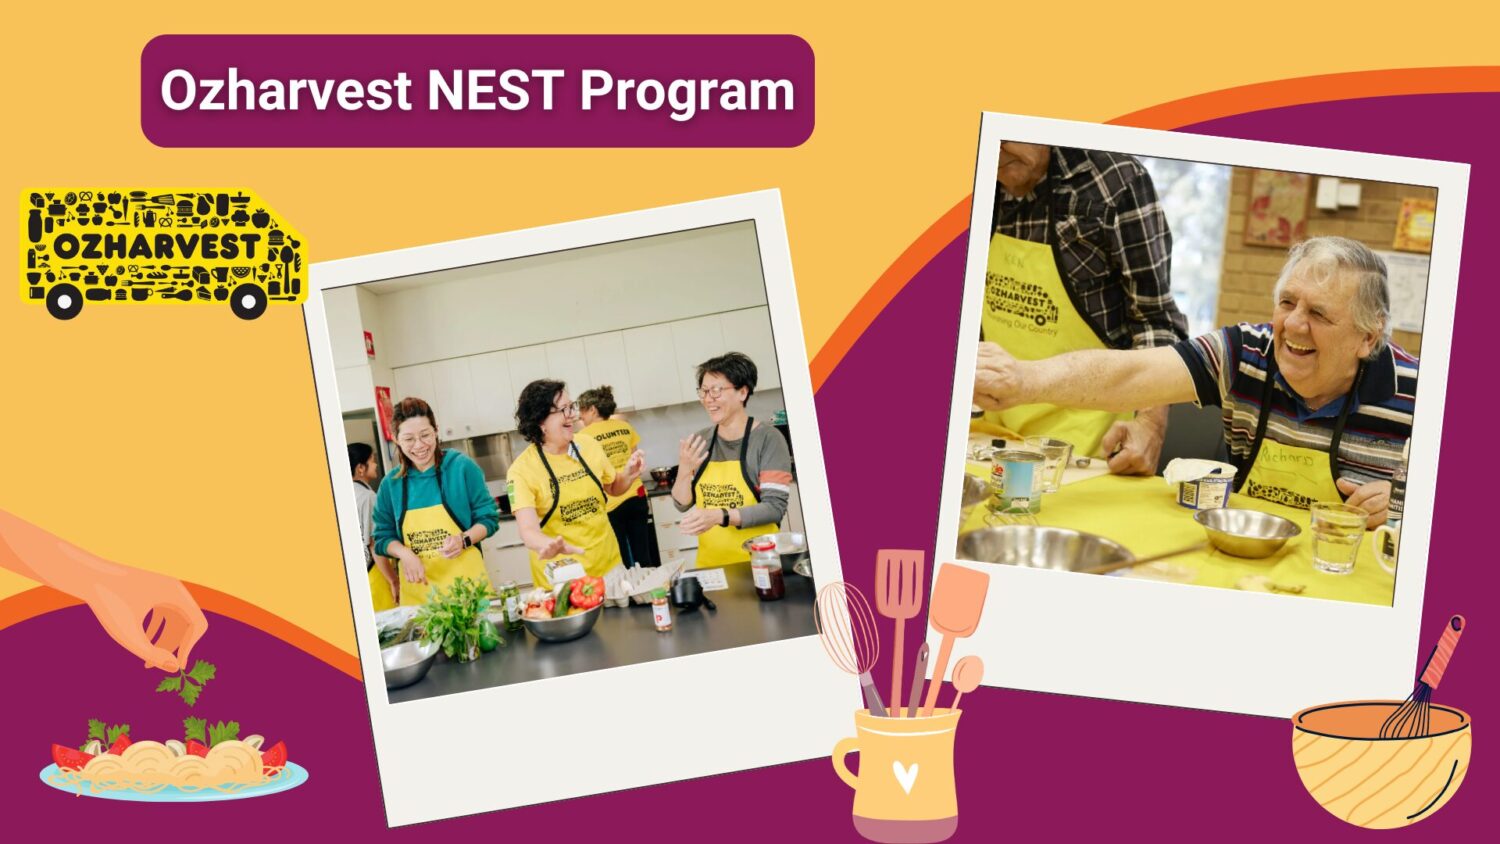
(1246, 533)
(1040, 548)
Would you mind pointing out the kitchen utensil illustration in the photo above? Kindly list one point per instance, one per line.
(898, 596)
(1414, 718)
(847, 629)
(957, 604)
(968, 673)
(918, 679)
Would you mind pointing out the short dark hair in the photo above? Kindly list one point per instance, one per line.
(534, 406)
(359, 455)
(601, 398)
(737, 368)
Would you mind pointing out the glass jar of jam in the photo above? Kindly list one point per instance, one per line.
(765, 570)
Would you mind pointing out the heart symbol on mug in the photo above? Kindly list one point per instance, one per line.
(904, 775)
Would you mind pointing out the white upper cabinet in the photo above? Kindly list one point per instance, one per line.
(695, 341)
(606, 358)
(749, 331)
(527, 364)
(494, 393)
(414, 382)
(652, 362)
(567, 362)
(453, 399)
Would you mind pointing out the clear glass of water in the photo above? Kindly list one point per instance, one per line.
(1337, 530)
(1056, 454)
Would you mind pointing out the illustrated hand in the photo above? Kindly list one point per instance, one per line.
(452, 546)
(412, 569)
(997, 378)
(1134, 447)
(698, 520)
(1373, 498)
(123, 598)
(691, 452)
(556, 547)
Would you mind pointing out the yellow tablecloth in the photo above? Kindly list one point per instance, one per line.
(1142, 514)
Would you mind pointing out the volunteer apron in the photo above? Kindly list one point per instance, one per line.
(578, 516)
(1028, 312)
(726, 485)
(1289, 474)
(380, 590)
(423, 531)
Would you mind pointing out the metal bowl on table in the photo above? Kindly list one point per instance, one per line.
(407, 662)
(1036, 547)
(564, 629)
(663, 476)
(792, 547)
(1246, 533)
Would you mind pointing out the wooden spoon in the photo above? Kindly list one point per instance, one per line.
(967, 675)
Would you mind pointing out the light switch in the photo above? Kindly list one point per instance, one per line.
(1328, 193)
(1349, 194)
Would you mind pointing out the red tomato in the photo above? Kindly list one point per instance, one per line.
(196, 748)
(68, 758)
(120, 744)
(275, 757)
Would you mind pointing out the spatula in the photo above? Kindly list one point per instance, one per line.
(898, 596)
(957, 604)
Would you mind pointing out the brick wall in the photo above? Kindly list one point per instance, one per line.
(1250, 271)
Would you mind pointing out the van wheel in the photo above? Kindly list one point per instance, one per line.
(64, 301)
(248, 301)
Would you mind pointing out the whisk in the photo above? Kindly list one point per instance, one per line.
(1413, 719)
(846, 626)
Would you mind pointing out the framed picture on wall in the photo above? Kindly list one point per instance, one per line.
(1277, 212)
(1414, 225)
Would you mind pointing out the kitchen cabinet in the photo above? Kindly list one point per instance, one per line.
(669, 537)
(414, 382)
(505, 557)
(695, 341)
(527, 364)
(568, 362)
(652, 363)
(453, 399)
(494, 393)
(749, 331)
(605, 354)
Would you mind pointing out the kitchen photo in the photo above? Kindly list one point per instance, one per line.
(571, 461)
(1192, 372)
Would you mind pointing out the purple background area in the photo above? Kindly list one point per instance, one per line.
(1046, 766)
(370, 57)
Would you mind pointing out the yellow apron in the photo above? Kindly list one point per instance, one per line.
(614, 436)
(423, 531)
(1028, 312)
(724, 485)
(380, 591)
(578, 515)
(1289, 474)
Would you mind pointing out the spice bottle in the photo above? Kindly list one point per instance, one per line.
(765, 569)
(661, 611)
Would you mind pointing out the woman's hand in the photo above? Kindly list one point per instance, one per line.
(452, 546)
(698, 520)
(691, 452)
(394, 583)
(636, 464)
(412, 568)
(556, 546)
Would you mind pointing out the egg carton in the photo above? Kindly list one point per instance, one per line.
(623, 586)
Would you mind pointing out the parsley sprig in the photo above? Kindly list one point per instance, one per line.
(209, 734)
(189, 684)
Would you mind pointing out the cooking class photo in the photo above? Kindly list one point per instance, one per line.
(571, 461)
(1192, 372)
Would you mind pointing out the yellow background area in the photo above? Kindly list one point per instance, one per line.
(187, 441)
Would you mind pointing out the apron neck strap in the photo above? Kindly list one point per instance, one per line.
(713, 440)
(557, 487)
(442, 499)
(1264, 418)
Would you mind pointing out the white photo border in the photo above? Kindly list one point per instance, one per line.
(481, 751)
(1218, 649)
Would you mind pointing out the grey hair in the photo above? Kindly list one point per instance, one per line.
(1323, 258)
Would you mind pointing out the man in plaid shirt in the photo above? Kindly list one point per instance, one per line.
(1098, 212)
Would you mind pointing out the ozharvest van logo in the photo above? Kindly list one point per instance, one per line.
(157, 247)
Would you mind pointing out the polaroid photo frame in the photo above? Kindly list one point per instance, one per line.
(449, 756)
(1165, 643)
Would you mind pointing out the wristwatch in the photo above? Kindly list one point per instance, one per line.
(725, 522)
(468, 541)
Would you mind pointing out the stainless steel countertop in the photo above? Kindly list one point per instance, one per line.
(627, 636)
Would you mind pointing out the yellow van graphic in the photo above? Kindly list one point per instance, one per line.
(162, 246)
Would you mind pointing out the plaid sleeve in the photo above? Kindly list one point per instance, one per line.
(1143, 246)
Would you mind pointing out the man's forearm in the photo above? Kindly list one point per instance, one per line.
(1108, 379)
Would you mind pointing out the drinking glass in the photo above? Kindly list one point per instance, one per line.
(1337, 530)
(1056, 454)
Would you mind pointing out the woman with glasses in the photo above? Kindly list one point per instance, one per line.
(629, 514)
(733, 479)
(559, 486)
(433, 510)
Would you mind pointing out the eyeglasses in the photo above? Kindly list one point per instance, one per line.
(570, 409)
(714, 391)
(428, 436)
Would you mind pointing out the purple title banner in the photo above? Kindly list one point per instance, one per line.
(477, 91)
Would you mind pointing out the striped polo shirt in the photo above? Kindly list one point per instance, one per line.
(1379, 422)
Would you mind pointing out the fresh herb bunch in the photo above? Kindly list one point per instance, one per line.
(454, 618)
(189, 684)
